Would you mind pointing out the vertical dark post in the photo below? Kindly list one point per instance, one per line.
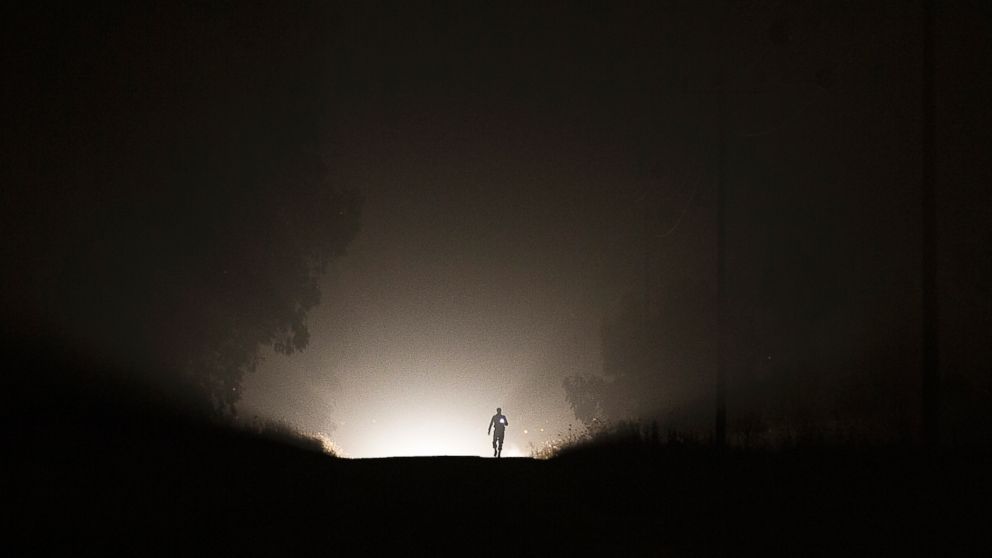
(931, 378)
(721, 287)
(647, 262)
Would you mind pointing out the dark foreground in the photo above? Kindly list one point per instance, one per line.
(234, 496)
(89, 468)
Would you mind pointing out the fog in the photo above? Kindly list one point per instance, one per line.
(381, 223)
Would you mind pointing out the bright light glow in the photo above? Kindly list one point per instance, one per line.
(511, 450)
(410, 436)
(438, 409)
(326, 443)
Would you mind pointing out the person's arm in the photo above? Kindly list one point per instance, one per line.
(491, 421)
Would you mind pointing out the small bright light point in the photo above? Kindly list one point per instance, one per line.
(525, 431)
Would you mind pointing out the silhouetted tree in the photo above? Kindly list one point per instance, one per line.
(170, 203)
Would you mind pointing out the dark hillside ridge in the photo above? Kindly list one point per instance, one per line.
(118, 475)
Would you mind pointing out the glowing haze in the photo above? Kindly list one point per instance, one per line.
(528, 175)
(466, 290)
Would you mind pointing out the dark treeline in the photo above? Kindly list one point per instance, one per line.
(824, 244)
(167, 203)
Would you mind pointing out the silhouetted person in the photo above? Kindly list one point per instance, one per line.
(498, 422)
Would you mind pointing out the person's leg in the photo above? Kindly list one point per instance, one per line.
(499, 452)
(495, 437)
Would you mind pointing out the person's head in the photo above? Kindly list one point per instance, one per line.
(499, 410)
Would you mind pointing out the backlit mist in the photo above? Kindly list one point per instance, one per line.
(381, 223)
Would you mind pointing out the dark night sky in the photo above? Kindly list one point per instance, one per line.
(513, 159)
